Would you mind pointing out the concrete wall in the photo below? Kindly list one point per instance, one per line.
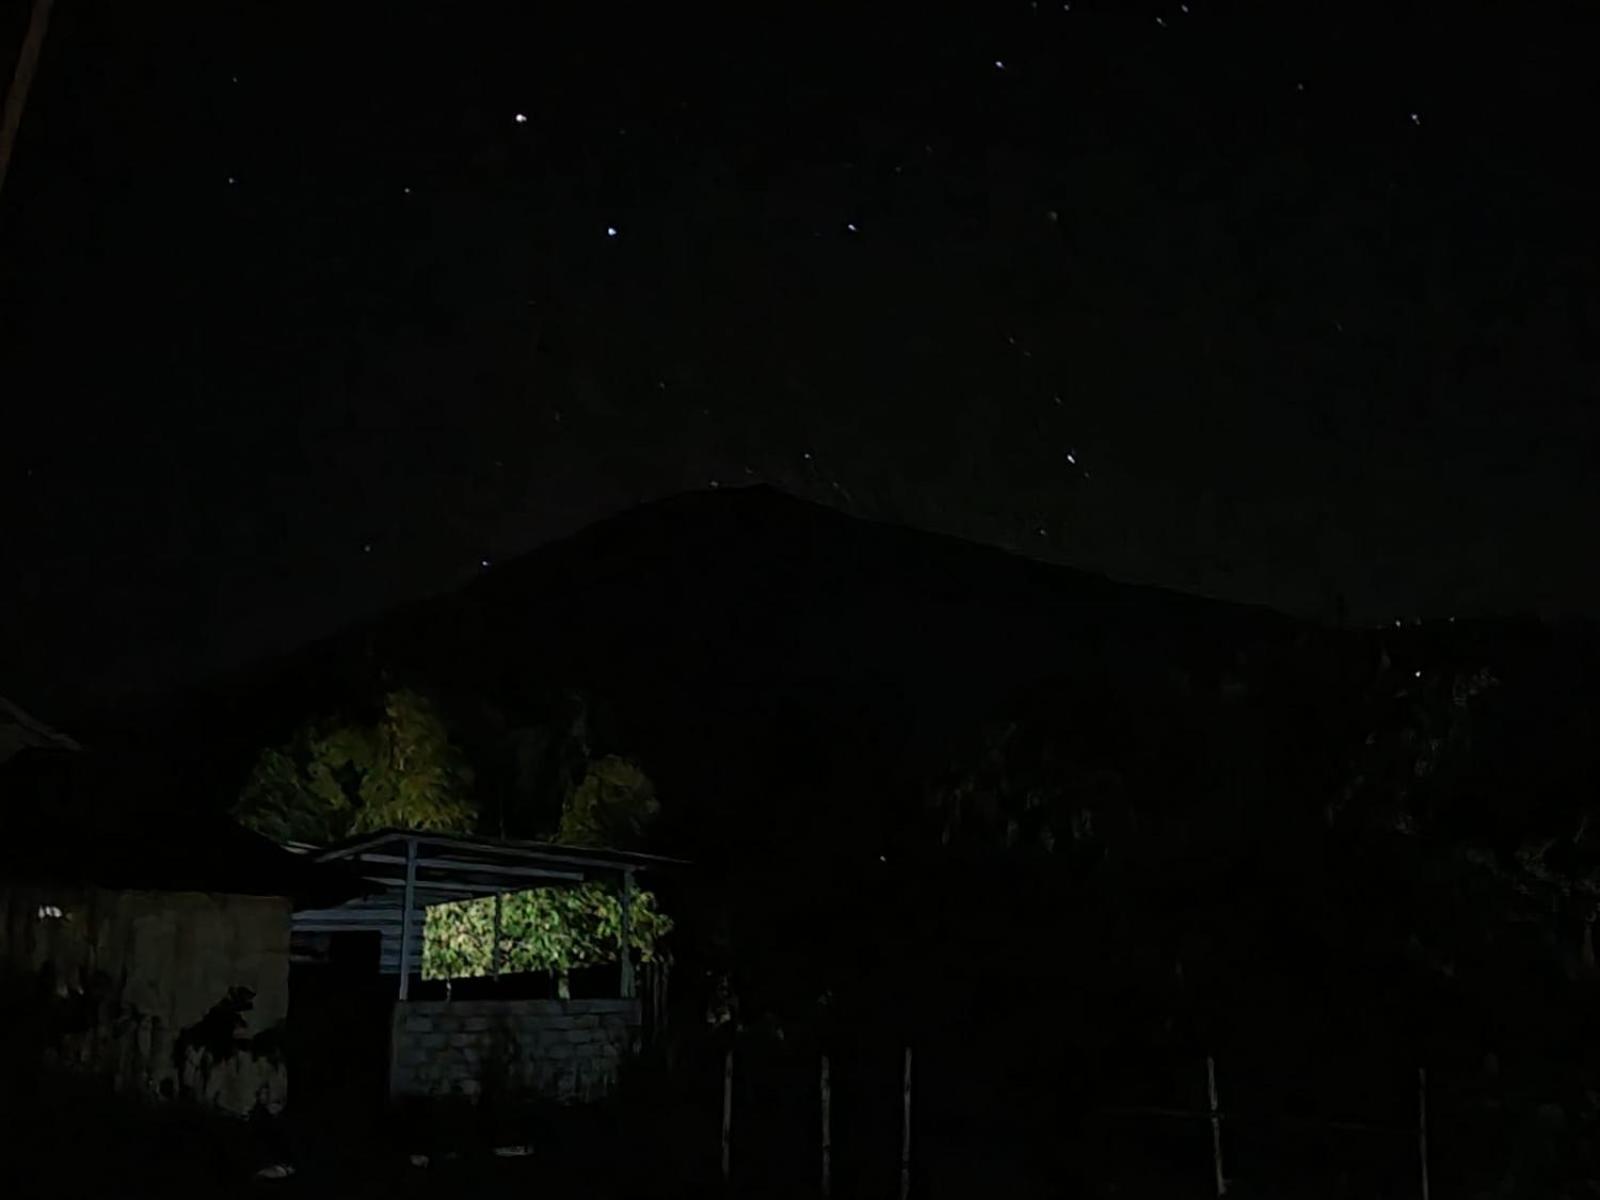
(565, 1050)
(175, 994)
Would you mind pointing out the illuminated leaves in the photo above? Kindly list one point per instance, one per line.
(546, 929)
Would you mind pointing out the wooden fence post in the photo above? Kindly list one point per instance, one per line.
(727, 1116)
(1216, 1126)
(1422, 1126)
(827, 1132)
(905, 1132)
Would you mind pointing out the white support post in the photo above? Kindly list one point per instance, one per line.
(727, 1118)
(905, 1132)
(1422, 1127)
(408, 901)
(1216, 1127)
(625, 955)
(827, 1132)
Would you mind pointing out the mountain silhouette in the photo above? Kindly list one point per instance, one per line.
(737, 633)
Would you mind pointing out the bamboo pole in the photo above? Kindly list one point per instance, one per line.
(905, 1131)
(1216, 1126)
(22, 82)
(727, 1117)
(1422, 1127)
(827, 1132)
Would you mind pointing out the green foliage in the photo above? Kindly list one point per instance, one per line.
(1027, 789)
(559, 929)
(613, 806)
(544, 929)
(331, 781)
(334, 780)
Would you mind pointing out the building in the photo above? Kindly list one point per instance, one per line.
(439, 1044)
(141, 947)
(156, 960)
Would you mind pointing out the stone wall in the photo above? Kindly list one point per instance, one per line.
(565, 1050)
(164, 994)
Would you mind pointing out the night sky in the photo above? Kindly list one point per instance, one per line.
(310, 309)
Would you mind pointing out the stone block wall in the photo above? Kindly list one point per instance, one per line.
(570, 1051)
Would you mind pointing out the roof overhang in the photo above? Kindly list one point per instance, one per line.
(445, 866)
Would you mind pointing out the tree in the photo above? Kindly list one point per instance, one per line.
(332, 780)
(559, 929)
(613, 806)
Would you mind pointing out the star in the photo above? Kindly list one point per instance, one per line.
(611, 231)
(999, 65)
(851, 227)
(521, 118)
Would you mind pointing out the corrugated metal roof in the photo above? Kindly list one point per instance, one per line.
(460, 866)
(449, 867)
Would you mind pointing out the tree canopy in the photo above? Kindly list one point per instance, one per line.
(334, 778)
